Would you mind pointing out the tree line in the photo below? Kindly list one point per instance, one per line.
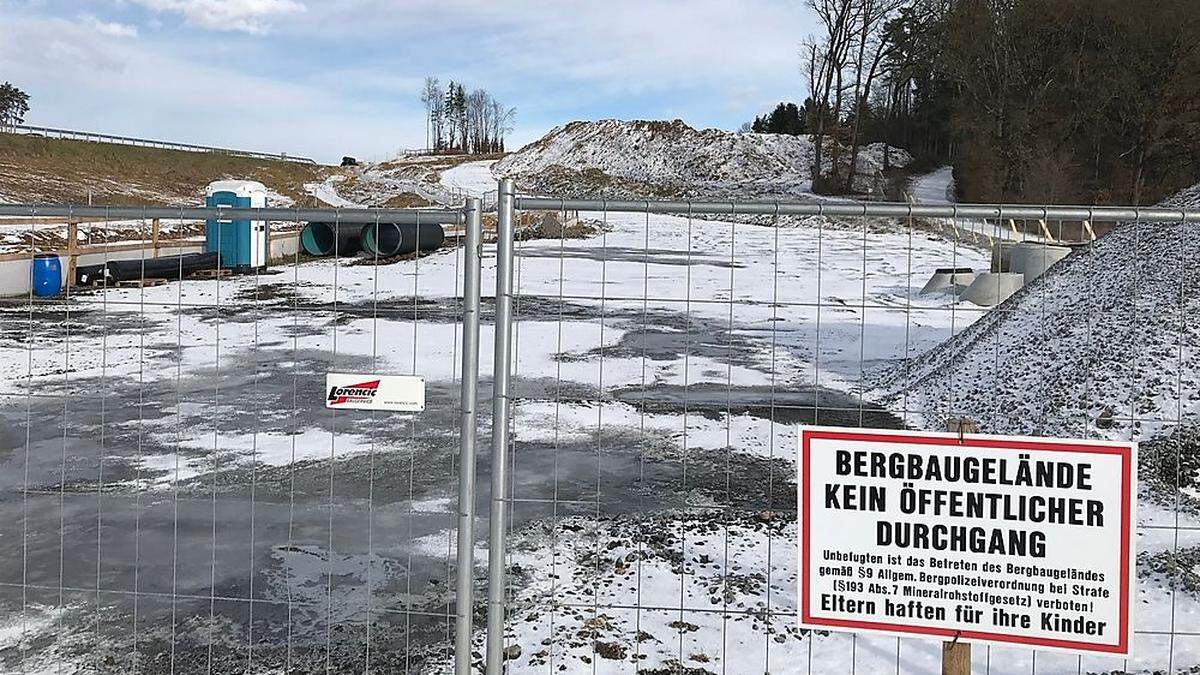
(458, 121)
(14, 104)
(1030, 100)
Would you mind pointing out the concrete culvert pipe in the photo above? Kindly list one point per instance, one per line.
(1020, 254)
(389, 239)
(993, 288)
(331, 238)
(949, 278)
(1041, 259)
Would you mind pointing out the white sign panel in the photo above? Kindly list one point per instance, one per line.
(1005, 540)
(375, 392)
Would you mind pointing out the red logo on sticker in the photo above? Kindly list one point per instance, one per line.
(354, 393)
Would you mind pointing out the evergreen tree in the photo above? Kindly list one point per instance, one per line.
(14, 103)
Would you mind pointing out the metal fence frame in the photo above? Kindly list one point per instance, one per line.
(510, 203)
(469, 217)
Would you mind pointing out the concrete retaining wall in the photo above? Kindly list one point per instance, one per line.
(15, 274)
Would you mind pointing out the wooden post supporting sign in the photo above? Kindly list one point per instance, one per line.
(956, 658)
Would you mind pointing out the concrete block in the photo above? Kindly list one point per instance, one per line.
(993, 288)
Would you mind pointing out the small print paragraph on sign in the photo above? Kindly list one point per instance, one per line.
(998, 539)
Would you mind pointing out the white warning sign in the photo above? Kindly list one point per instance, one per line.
(1006, 540)
(359, 391)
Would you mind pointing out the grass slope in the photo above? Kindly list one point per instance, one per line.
(36, 169)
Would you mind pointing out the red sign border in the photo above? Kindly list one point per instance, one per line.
(807, 434)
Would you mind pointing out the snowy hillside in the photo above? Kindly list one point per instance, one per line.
(659, 158)
(1101, 343)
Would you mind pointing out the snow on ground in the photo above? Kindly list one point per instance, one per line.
(472, 178)
(326, 192)
(641, 310)
(662, 368)
(936, 187)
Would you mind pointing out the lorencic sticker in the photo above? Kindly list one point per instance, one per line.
(365, 391)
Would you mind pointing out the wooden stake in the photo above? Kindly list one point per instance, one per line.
(72, 253)
(154, 235)
(956, 658)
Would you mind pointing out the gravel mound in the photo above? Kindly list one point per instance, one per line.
(1105, 342)
(671, 159)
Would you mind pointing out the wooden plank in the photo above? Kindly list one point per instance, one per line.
(214, 273)
(956, 658)
(141, 283)
(109, 248)
(72, 252)
(46, 220)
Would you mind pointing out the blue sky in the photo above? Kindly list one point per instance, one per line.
(331, 77)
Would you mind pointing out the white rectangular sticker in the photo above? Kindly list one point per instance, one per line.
(994, 539)
(404, 393)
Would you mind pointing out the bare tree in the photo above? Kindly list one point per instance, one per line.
(437, 118)
(473, 123)
(429, 96)
(476, 107)
(871, 48)
(826, 58)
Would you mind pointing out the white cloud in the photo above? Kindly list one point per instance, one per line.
(343, 76)
(79, 79)
(110, 28)
(248, 16)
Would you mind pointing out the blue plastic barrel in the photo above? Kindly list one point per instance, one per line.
(47, 275)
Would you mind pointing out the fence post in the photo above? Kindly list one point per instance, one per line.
(500, 409)
(464, 599)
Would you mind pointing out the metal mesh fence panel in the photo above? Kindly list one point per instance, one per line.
(178, 498)
(665, 353)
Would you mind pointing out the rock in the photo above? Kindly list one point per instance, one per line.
(611, 650)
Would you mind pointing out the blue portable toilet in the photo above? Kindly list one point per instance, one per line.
(241, 243)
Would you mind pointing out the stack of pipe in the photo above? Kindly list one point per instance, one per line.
(382, 240)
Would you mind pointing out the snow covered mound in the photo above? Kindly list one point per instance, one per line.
(1103, 343)
(659, 159)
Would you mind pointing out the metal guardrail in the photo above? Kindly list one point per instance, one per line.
(436, 217)
(73, 134)
(866, 209)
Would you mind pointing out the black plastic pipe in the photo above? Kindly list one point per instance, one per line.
(170, 267)
(322, 238)
(389, 239)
